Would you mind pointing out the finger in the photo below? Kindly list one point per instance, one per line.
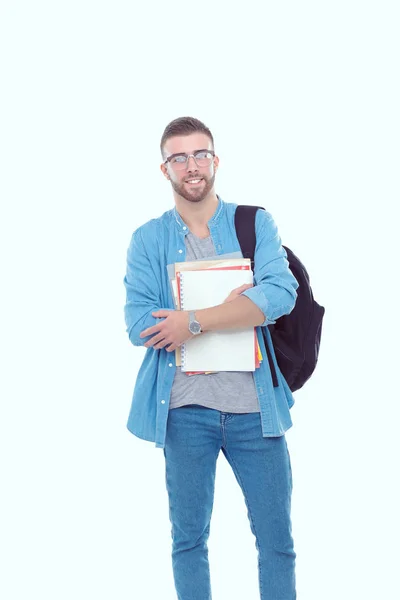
(241, 288)
(160, 345)
(234, 293)
(244, 287)
(150, 331)
(161, 313)
(154, 340)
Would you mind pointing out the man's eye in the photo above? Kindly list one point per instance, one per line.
(179, 159)
(201, 155)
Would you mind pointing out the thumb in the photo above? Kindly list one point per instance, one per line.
(244, 286)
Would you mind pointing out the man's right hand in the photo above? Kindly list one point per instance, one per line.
(237, 291)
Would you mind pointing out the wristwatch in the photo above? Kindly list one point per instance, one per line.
(194, 326)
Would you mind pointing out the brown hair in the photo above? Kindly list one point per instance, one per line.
(184, 126)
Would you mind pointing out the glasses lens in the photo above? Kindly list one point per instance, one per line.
(203, 159)
(178, 162)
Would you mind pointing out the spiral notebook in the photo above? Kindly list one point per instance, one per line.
(218, 350)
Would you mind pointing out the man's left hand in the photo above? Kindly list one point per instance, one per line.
(173, 331)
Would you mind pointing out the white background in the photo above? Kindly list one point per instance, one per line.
(302, 99)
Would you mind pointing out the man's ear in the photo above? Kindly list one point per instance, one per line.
(164, 170)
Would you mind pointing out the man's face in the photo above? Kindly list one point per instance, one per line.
(193, 192)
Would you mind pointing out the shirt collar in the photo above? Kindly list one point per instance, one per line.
(213, 221)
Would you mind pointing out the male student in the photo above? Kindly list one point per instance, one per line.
(193, 417)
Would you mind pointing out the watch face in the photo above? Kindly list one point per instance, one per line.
(194, 327)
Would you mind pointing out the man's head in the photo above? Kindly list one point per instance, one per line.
(182, 137)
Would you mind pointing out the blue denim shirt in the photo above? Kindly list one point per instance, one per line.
(160, 242)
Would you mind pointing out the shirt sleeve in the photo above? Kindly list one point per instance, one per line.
(274, 290)
(142, 291)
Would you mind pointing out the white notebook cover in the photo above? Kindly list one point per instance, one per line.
(224, 350)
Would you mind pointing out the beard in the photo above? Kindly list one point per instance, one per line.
(194, 194)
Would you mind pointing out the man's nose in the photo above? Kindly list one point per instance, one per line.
(191, 164)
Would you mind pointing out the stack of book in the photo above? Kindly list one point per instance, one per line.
(203, 284)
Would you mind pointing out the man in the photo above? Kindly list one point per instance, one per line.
(194, 417)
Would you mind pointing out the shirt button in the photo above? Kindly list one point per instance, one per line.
(170, 365)
(184, 228)
(180, 251)
(162, 401)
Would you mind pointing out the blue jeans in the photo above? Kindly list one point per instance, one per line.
(195, 435)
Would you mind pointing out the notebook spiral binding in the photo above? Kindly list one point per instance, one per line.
(182, 298)
(183, 357)
(182, 291)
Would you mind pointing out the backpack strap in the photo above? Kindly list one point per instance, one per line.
(245, 224)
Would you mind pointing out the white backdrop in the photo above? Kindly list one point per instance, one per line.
(302, 99)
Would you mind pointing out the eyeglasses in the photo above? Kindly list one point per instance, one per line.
(178, 162)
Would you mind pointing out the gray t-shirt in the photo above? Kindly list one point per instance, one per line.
(227, 391)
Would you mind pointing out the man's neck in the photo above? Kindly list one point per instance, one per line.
(197, 214)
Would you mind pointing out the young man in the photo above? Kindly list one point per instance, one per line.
(194, 417)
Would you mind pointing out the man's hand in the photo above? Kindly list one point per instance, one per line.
(237, 291)
(171, 332)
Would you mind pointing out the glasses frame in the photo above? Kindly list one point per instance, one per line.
(169, 158)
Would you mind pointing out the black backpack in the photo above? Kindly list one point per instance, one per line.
(296, 337)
